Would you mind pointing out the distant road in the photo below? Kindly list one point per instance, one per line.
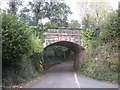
(62, 76)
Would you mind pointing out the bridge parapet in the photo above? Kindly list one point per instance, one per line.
(57, 35)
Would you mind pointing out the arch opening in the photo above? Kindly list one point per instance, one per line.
(73, 47)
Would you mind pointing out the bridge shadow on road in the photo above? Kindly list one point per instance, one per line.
(63, 67)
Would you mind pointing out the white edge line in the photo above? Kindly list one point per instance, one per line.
(76, 80)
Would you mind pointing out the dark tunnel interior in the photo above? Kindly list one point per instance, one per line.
(72, 46)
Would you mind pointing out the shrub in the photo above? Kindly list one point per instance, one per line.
(19, 43)
(15, 38)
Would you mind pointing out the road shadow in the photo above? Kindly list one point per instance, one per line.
(63, 67)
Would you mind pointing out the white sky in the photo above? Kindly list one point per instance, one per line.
(72, 4)
(74, 7)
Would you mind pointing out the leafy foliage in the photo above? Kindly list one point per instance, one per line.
(36, 44)
(55, 55)
(58, 12)
(111, 28)
(74, 24)
(51, 56)
(90, 39)
(13, 6)
(101, 63)
(94, 13)
(54, 11)
(99, 70)
(51, 25)
(39, 31)
(15, 35)
(25, 14)
(20, 46)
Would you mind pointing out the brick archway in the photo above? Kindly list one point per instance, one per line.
(68, 38)
(77, 49)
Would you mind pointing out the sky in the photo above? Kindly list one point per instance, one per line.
(74, 7)
(73, 4)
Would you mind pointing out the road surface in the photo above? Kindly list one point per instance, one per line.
(63, 76)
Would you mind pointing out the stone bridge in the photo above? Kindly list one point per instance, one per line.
(68, 38)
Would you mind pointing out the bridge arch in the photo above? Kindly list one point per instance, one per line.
(69, 38)
(76, 48)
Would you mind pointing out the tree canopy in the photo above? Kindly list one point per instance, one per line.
(56, 12)
(94, 12)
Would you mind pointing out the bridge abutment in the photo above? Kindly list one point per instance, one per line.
(76, 61)
(79, 56)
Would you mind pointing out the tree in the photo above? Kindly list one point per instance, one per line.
(37, 9)
(55, 11)
(110, 29)
(51, 25)
(74, 24)
(94, 13)
(58, 13)
(13, 6)
(25, 14)
(17, 40)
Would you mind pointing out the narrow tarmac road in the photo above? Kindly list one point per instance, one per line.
(63, 76)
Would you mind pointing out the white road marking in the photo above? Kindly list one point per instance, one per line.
(76, 80)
